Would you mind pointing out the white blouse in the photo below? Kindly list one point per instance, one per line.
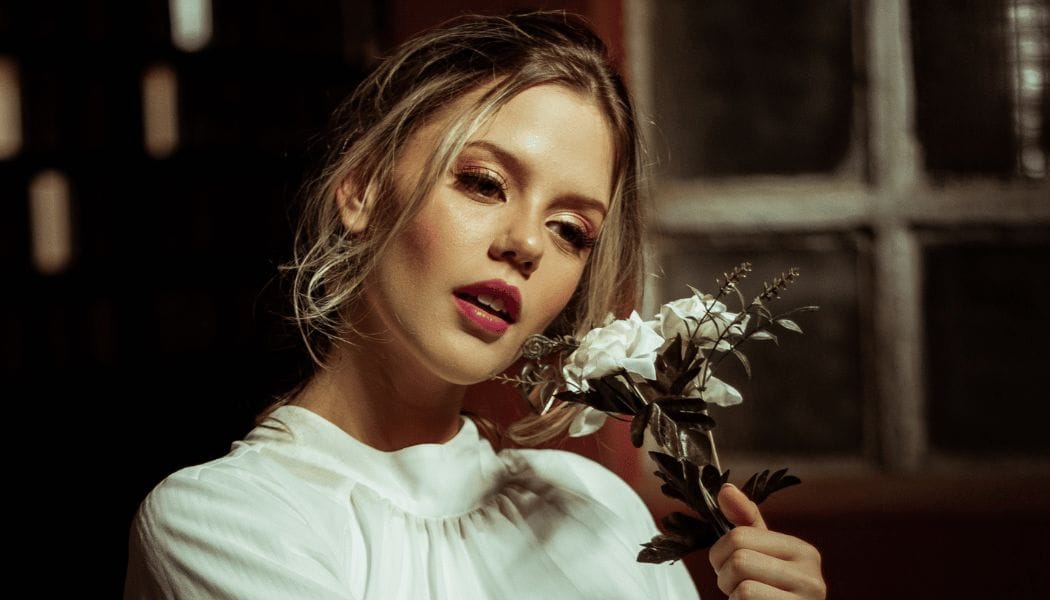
(301, 510)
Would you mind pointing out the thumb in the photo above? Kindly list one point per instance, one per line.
(738, 508)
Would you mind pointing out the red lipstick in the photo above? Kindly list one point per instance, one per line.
(492, 305)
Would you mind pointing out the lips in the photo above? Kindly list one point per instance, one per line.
(493, 305)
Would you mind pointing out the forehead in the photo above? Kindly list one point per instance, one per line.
(555, 128)
(550, 128)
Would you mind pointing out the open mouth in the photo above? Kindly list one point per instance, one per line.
(490, 304)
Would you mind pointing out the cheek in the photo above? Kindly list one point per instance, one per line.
(557, 295)
(423, 244)
(437, 225)
(420, 238)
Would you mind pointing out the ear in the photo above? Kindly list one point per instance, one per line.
(354, 207)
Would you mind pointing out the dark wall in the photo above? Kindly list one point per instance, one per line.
(157, 345)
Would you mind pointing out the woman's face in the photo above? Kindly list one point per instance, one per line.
(499, 245)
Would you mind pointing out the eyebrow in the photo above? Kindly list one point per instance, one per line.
(508, 158)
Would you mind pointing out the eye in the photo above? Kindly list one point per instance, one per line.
(574, 234)
(481, 182)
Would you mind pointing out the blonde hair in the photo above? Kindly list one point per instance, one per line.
(506, 55)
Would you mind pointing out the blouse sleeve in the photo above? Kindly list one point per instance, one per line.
(673, 580)
(214, 535)
(593, 480)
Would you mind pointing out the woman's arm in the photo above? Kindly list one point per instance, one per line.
(755, 563)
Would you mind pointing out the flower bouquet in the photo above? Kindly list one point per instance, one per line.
(659, 374)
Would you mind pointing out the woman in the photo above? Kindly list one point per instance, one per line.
(481, 187)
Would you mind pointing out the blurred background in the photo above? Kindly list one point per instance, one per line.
(894, 151)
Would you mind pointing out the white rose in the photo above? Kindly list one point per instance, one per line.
(624, 345)
(699, 318)
(587, 422)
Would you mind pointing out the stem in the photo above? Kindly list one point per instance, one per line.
(745, 337)
(714, 450)
(708, 367)
(634, 388)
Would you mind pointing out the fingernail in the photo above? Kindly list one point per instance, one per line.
(728, 485)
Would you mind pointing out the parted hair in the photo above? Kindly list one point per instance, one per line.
(504, 55)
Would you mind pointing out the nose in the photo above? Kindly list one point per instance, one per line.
(520, 243)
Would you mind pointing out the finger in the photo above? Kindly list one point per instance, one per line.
(773, 543)
(756, 590)
(745, 564)
(738, 508)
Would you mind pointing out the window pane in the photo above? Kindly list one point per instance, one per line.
(980, 83)
(753, 86)
(988, 324)
(807, 393)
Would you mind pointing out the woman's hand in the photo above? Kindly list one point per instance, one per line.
(753, 562)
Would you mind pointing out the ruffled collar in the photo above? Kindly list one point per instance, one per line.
(427, 480)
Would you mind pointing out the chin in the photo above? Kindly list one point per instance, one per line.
(473, 372)
(468, 366)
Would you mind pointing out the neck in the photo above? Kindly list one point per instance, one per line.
(376, 399)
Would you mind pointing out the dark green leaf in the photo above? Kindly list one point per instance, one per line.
(691, 350)
(590, 398)
(703, 420)
(673, 354)
(660, 363)
(710, 510)
(749, 487)
(744, 361)
(638, 425)
(600, 397)
(680, 523)
(685, 534)
(712, 479)
(671, 491)
(615, 393)
(761, 311)
(663, 430)
(762, 334)
(662, 384)
(762, 485)
(665, 462)
(801, 309)
(664, 548)
(699, 445)
(685, 377)
(681, 406)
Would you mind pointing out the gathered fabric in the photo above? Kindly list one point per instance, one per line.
(300, 509)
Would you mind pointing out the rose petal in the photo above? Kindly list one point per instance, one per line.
(587, 422)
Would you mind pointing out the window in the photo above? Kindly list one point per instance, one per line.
(894, 151)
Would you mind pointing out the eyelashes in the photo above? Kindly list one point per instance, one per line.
(575, 235)
(482, 182)
(488, 184)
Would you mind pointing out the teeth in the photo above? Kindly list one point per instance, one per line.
(495, 304)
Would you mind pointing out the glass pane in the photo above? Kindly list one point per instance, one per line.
(980, 83)
(987, 327)
(753, 86)
(807, 393)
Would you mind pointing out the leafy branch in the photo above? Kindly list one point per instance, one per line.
(662, 380)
